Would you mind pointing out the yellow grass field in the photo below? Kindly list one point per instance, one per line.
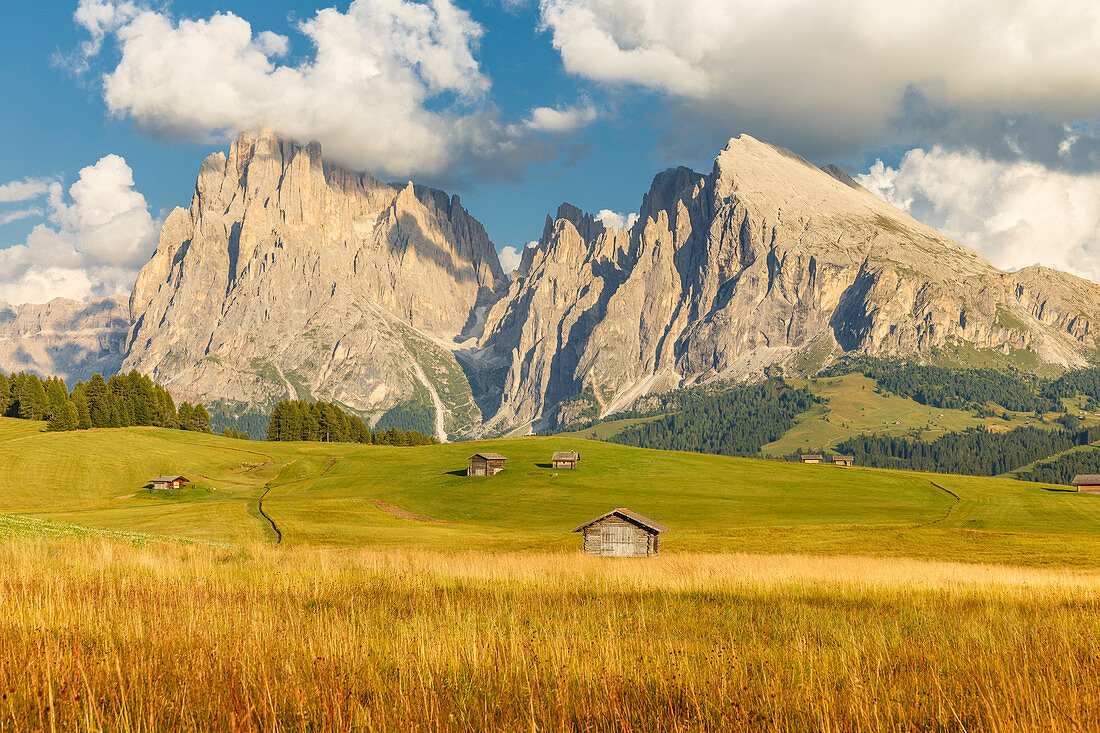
(104, 635)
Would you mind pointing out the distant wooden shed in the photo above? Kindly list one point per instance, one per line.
(844, 460)
(1088, 483)
(485, 464)
(565, 459)
(163, 483)
(622, 533)
(813, 459)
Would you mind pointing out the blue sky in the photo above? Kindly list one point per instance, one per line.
(983, 115)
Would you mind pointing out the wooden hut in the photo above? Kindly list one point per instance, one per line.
(1088, 483)
(622, 533)
(844, 460)
(485, 464)
(163, 483)
(565, 459)
(813, 459)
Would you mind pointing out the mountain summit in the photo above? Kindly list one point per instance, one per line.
(291, 276)
(767, 263)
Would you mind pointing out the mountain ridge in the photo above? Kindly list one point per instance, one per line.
(290, 276)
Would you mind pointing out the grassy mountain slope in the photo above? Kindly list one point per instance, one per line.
(351, 495)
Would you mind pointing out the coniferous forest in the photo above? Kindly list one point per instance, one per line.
(737, 422)
(118, 402)
(328, 423)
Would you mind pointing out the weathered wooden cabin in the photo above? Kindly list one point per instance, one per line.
(485, 464)
(163, 483)
(813, 459)
(844, 460)
(565, 459)
(1088, 483)
(622, 533)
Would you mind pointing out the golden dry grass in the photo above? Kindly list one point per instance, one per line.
(102, 635)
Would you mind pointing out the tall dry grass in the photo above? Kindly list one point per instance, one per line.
(100, 635)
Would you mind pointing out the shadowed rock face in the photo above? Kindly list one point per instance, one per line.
(64, 337)
(766, 263)
(291, 276)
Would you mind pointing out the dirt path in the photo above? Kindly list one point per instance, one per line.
(950, 509)
(269, 486)
(396, 511)
(260, 506)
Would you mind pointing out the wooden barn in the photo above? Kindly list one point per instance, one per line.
(565, 459)
(813, 459)
(485, 464)
(844, 460)
(163, 483)
(622, 533)
(1088, 483)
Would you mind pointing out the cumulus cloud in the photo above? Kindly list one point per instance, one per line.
(831, 76)
(95, 239)
(509, 258)
(388, 85)
(616, 220)
(1016, 213)
(560, 120)
(25, 190)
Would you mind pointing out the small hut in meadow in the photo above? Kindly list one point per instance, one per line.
(485, 464)
(814, 458)
(844, 460)
(565, 459)
(163, 483)
(622, 533)
(1088, 483)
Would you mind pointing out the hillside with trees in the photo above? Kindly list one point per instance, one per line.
(295, 420)
(122, 401)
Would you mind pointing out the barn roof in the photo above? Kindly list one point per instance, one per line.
(806, 456)
(489, 456)
(844, 458)
(168, 478)
(1086, 479)
(565, 455)
(629, 515)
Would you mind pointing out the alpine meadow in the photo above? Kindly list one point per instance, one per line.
(590, 366)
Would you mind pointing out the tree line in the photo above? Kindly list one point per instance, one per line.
(1062, 469)
(118, 402)
(327, 423)
(737, 422)
(957, 389)
(975, 451)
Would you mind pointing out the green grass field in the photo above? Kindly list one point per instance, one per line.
(378, 496)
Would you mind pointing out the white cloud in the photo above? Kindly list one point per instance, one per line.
(9, 216)
(1015, 213)
(509, 258)
(96, 240)
(390, 85)
(616, 220)
(25, 190)
(824, 70)
(560, 120)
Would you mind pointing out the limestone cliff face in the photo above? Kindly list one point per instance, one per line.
(767, 263)
(290, 276)
(64, 337)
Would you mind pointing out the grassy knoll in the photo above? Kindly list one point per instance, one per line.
(379, 496)
(116, 637)
(605, 430)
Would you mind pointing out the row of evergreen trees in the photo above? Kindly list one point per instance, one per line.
(976, 451)
(327, 423)
(121, 401)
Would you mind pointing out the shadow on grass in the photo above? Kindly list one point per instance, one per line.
(459, 472)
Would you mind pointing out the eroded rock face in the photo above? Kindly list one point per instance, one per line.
(64, 337)
(767, 263)
(290, 276)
